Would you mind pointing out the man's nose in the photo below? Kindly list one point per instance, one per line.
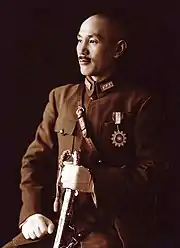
(83, 48)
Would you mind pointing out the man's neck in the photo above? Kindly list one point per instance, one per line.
(99, 79)
(104, 77)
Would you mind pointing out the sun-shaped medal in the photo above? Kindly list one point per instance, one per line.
(119, 138)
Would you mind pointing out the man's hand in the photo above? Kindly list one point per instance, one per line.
(76, 177)
(37, 226)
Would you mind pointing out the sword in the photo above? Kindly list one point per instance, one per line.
(68, 200)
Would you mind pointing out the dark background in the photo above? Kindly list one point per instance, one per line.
(38, 40)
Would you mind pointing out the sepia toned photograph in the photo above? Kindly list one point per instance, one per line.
(90, 124)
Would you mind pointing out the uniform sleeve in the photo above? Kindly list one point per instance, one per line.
(36, 162)
(136, 185)
(151, 140)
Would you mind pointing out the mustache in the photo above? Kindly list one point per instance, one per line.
(83, 57)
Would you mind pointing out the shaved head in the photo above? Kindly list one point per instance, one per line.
(114, 22)
(100, 43)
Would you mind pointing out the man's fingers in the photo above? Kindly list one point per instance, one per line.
(26, 235)
(32, 234)
(29, 232)
(42, 226)
(38, 232)
(25, 231)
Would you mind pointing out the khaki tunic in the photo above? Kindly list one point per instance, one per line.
(126, 177)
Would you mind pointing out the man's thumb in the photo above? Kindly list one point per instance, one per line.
(50, 227)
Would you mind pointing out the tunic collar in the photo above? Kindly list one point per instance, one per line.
(98, 89)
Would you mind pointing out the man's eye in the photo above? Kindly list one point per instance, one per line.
(93, 41)
(79, 40)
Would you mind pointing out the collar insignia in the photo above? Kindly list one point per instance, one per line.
(106, 86)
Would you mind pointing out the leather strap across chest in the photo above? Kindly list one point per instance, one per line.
(81, 115)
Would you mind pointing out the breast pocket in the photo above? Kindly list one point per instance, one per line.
(65, 129)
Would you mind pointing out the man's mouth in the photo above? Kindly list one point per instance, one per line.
(84, 61)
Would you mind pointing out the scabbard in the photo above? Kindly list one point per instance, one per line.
(65, 213)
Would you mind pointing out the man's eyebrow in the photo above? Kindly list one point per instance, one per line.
(98, 36)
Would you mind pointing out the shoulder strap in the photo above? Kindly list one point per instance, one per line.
(81, 115)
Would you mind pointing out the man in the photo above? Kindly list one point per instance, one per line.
(119, 138)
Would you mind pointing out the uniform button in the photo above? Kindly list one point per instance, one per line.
(99, 161)
(79, 234)
(62, 131)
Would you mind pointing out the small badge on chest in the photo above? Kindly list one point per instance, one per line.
(118, 138)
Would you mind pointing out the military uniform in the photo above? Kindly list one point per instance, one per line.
(126, 126)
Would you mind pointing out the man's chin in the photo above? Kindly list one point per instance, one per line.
(85, 72)
(86, 69)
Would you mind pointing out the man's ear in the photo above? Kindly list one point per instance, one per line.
(121, 48)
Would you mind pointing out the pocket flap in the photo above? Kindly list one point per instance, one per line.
(65, 126)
